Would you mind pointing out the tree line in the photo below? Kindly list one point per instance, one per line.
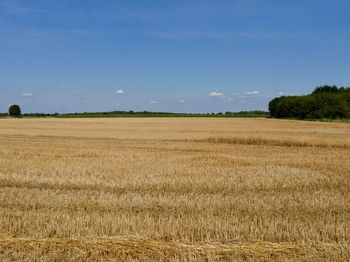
(324, 102)
(15, 111)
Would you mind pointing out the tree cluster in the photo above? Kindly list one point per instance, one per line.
(324, 102)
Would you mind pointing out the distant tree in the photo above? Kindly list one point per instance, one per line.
(324, 102)
(325, 89)
(15, 110)
(331, 89)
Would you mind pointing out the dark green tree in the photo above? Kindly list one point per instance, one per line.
(325, 89)
(15, 110)
(324, 102)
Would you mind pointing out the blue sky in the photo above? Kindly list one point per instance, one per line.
(160, 55)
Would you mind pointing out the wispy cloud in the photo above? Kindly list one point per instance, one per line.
(181, 101)
(185, 33)
(143, 16)
(182, 34)
(253, 93)
(12, 8)
(120, 92)
(78, 32)
(152, 102)
(286, 94)
(216, 93)
(231, 99)
(27, 94)
(249, 95)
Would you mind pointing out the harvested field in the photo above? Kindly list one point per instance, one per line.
(174, 189)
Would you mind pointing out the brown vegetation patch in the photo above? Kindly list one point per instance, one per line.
(259, 141)
(136, 247)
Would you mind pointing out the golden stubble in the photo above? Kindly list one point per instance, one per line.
(174, 189)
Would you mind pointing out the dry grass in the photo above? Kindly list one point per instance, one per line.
(174, 189)
(258, 141)
(133, 247)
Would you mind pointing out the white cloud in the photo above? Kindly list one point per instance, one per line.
(286, 94)
(120, 92)
(181, 101)
(27, 94)
(216, 93)
(63, 85)
(253, 93)
(152, 102)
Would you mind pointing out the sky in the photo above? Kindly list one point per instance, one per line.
(174, 56)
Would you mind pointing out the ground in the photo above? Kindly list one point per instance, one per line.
(174, 189)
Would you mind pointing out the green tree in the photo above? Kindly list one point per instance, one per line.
(325, 89)
(324, 102)
(15, 110)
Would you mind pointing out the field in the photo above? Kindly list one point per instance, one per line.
(174, 189)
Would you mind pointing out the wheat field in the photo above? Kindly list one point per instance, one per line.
(174, 189)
